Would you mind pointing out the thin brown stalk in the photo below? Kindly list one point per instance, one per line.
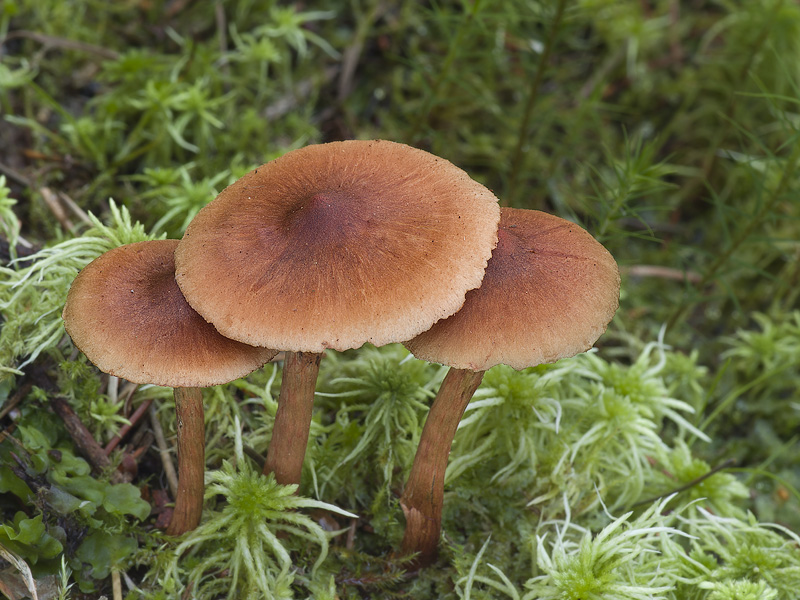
(287, 449)
(423, 496)
(191, 461)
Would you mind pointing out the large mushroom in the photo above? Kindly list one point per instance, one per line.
(125, 312)
(549, 292)
(333, 246)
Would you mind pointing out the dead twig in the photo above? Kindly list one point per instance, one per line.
(254, 456)
(6, 434)
(125, 429)
(77, 210)
(351, 535)
(50, 41)
(662, 272)
(116, 584)
(15, 175)
(53, 203)
(16, 398)
(289, 101)
(83, 439)
(163, 451)
(723, 465)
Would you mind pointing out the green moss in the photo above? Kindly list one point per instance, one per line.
(670, 134)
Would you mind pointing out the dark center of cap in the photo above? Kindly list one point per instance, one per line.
(325, 218)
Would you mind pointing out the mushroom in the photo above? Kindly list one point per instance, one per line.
(549, 292)
(333, 246)
(125, 312)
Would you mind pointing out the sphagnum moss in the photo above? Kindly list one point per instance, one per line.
(251, 533)
(667, 130)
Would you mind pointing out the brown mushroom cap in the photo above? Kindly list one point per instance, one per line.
(125, 312)
(549, 292)
(335, 245)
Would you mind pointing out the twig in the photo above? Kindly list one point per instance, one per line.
(15, 175)
(254, 456)
(24, 572)
(6, 433)
(441, 76)
(662, 272)
(116, 584)
(127, 392)
(710, 161)
(163, 451)
(83, 439)
(55, 207)
(125, 429)
(289, 101)
(79, 212)
(16, 398)
(602, 72)
(57, 42)
(145, 444)
(351, 535)
(129, 582)
(723, 465)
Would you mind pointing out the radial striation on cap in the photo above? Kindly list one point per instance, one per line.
(549, 292)
(125, 312)
(335, 245)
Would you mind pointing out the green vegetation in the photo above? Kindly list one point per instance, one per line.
(664, 465)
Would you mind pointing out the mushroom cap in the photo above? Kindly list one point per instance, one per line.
(549, 292)
(125, 312)
(335, 245)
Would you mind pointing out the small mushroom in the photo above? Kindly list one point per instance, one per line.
(333, 246)
(549, 292)
(125, 312)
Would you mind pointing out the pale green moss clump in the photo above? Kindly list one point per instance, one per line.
(33, 289)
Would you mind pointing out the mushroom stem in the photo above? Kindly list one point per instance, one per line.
(423, 496)
(191, 460)
(287, 449)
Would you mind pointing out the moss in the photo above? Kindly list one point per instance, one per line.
(670, 134)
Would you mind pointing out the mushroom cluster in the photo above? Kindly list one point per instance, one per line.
(330, 247)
